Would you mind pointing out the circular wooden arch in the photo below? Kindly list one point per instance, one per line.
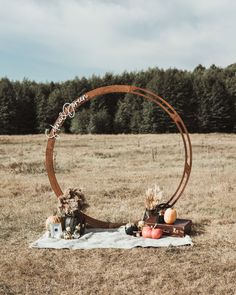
(70, 108)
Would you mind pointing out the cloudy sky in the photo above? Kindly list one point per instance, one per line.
(58, 40)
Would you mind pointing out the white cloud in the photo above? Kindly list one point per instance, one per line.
(60, 39)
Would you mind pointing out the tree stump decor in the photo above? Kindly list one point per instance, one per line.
(69, 110)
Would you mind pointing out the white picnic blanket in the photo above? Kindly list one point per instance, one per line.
(109, 238)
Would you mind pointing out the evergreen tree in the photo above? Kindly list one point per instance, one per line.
(230, 83)
(222, 109)
(123, 116)
(174, 94)
(56, 102)
(154, 117)
(129, 116)
(190, 103)
(74, 88)
(80, 123)
(102, 108)
(8, 124)
(41, 99)
(100, 122)
(216, 108)
(26, 109)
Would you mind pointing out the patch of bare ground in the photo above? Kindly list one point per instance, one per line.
(114, 171)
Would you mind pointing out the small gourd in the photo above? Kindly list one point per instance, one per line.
(131, 228)
(51, 220)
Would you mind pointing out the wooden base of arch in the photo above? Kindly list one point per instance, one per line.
(70, 108)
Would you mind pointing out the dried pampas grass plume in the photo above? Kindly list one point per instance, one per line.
(153, 197)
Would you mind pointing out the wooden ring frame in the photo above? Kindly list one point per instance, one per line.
(70, 109)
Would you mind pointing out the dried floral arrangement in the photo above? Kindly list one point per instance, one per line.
(73, 200)
(153, 197)
(69, 214)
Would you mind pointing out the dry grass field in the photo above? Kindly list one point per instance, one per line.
(114, 171)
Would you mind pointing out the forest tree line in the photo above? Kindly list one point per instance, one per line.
(205, 98)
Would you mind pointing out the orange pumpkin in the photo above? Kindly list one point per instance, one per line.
(156, 233)
(147, 232)
(51, 220)
(170, 215)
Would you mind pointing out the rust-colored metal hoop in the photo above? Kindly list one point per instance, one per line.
(69, 109)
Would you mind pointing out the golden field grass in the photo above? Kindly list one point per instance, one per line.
(114, 171)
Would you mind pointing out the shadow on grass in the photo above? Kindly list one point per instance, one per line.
(5, 289)
(198, 229)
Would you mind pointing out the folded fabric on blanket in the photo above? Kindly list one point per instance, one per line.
(109, 238)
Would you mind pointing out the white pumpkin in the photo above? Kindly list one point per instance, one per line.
(51, 220)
